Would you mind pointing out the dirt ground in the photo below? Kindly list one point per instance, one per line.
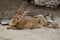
(30, 34)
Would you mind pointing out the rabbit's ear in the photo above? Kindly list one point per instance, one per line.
(21, 10)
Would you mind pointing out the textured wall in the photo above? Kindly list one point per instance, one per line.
(8, 8)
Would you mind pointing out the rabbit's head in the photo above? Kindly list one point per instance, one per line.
(17, 17)
(21, 13)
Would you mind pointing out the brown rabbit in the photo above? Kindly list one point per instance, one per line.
(18, 21)
(27, 24)
(16, 18)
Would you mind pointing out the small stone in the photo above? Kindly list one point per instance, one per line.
(5, 21)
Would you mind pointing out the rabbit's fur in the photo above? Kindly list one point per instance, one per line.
(18, 21)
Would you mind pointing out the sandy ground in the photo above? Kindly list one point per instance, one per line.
(28, 34)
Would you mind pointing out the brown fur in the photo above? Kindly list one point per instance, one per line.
(18, 22)
(29, 23)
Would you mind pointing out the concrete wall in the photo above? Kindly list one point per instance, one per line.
(8, 8)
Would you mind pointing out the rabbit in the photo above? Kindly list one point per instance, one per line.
(16, 18)
(43, 20)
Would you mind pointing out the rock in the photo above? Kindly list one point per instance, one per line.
(38, 16)
(0, 20)
(50, 16)
(47, 3)
(5, 21)
(27, 17)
